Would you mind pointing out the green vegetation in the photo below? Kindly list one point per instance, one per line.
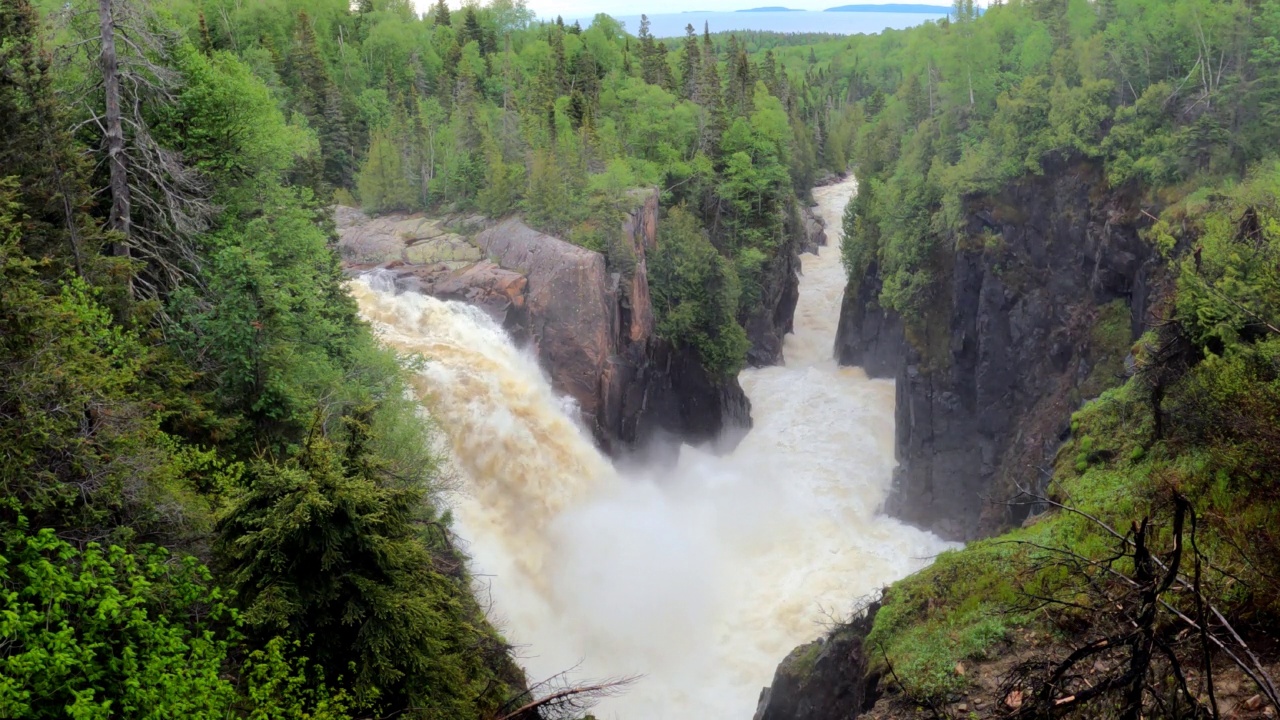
(219, 502)
(695, 292)
(964, 105)
(486, 110)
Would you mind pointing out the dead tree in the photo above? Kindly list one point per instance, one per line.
(121, 220)
(556, 698)
(157, 203)
(1152, 620)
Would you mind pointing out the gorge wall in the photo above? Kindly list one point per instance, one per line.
(1035, 310)
(592, 331)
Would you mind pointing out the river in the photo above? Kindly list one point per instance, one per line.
(701, 578)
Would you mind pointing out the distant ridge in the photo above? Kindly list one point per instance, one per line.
(894, 8)
(770, 8)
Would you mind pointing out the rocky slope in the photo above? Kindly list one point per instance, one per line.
(1037, 306)
(592, 331)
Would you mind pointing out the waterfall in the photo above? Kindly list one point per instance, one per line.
(699, 578)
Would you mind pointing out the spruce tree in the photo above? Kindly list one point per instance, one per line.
(440, 14)
(690, 66)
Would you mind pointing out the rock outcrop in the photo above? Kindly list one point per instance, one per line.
(826, 679)
(1023, 331)
(815, 231)
(413, 239)
(592, 330)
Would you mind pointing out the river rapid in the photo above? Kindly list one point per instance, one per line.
(700, 578)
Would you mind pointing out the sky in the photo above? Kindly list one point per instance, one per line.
(586, 8)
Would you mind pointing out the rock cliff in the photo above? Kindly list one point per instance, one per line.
(1035, 306)
(592, 330)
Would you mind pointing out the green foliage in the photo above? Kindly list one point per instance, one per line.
(382, 180)
(952, 109)
(695, 293)
(104, 633)
(326, 548)
(279, 690)
(245, 392)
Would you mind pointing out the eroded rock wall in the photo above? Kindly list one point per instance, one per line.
(987, 382)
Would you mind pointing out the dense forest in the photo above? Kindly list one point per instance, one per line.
(217, 500)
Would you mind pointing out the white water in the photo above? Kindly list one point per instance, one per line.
(703, 578)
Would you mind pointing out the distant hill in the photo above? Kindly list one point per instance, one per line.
(770, 8)
(894, 8)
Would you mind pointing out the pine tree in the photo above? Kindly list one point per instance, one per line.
(691, 66)
(318, 98)
(471, 31)
(34, 145)
(440, 14)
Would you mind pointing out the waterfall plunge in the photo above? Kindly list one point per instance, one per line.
(702, 578)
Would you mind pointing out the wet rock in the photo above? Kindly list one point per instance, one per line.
(826, 679)
(815, 231)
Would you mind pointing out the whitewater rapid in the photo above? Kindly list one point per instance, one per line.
(700, 579)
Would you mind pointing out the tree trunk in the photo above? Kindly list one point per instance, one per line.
(120, 220)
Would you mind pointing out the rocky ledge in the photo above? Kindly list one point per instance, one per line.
(825, 679)
(592, 331)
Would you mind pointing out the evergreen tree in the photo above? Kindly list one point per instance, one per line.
(691, 66)
(440, 14)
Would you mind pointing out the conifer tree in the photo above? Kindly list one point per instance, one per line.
(440, 14)
(691, 66)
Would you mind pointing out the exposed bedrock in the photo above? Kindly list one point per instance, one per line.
(826, 679)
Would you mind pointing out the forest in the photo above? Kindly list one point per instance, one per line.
(218, 502)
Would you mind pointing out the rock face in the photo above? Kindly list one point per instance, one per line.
(770, 319)
(570, 302)
(826, 679)
(988, 380)
(592, 331)
(815, 231)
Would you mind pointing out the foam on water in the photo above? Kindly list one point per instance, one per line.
(700, 578)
